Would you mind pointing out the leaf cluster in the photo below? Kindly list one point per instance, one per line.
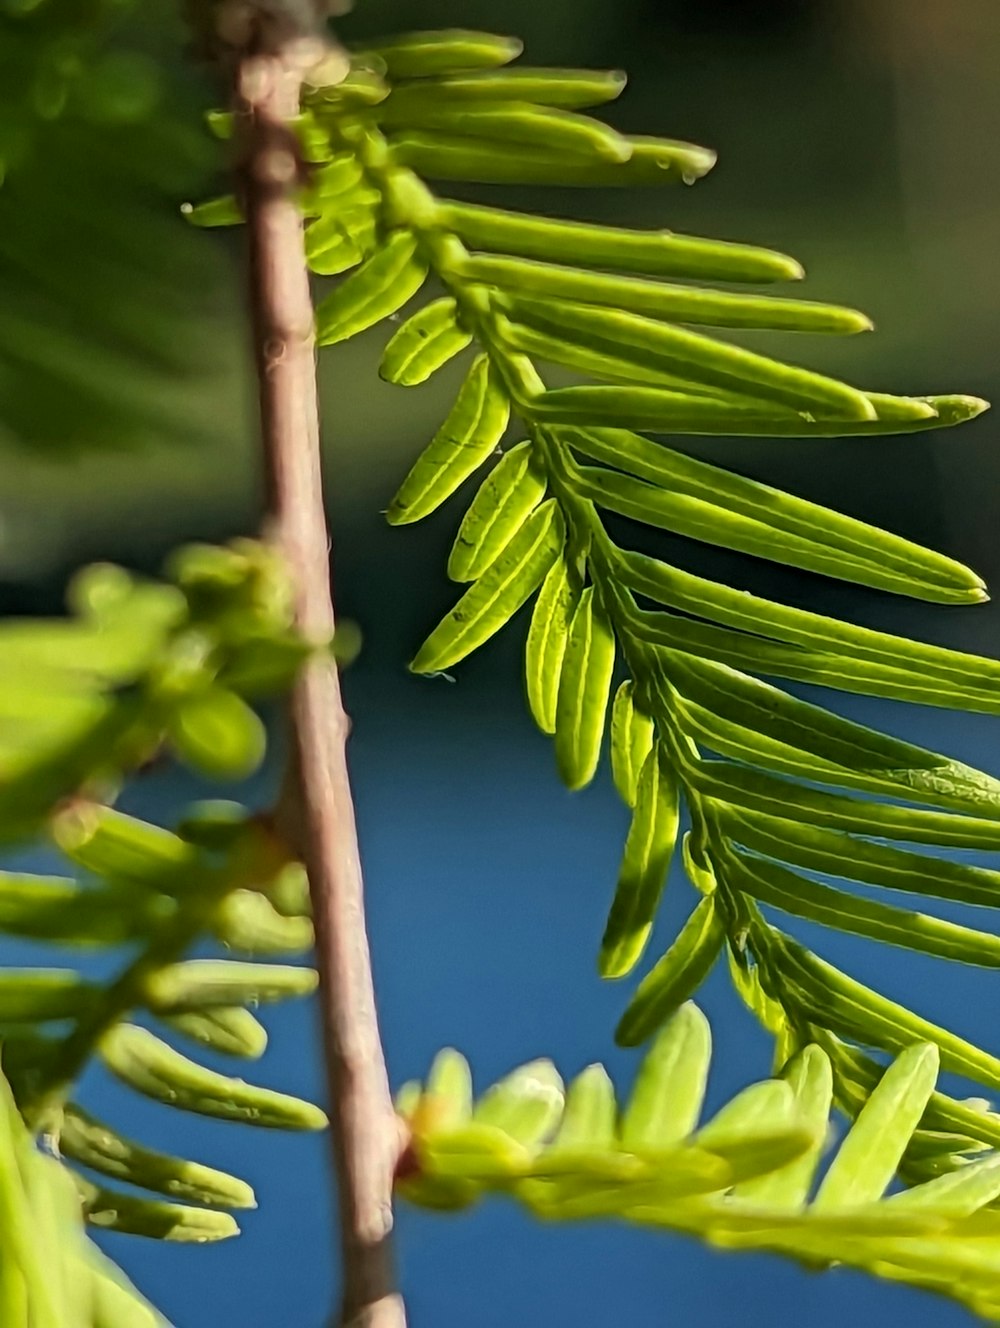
(146, 671)
(753, 1177)
(790, 807)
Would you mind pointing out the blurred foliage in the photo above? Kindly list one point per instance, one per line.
(51, 1274)
(110, 310)
(140, 673)
(752, 1178)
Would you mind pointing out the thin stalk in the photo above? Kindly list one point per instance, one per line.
(319, 814)
(65, 1062)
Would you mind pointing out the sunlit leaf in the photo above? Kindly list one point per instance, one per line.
(649, 849)
(423, 54)
(678, 304)
(98, 1146)
(656, 253)
(140, 1060)
(867, 1159)
(446, 157)
(631, 740)
(492, 600)
(508, 495)
(425, 342)
(545, 648)
(676, 976)
(582, 700)
(689, 354)
(469, 434)
(380, 287)
(670, 1086)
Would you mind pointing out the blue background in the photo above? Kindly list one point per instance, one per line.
(487, 889)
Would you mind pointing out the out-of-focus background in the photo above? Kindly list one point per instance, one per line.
(859, 135)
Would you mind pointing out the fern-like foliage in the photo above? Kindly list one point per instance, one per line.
(745, 1180)
(142, 671)
(768, 782)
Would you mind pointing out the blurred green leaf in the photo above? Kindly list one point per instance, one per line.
(114, 317)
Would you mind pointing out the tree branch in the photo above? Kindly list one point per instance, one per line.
(363, 1125)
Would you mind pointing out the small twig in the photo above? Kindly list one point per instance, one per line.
(48, 1089)
(363, 1125)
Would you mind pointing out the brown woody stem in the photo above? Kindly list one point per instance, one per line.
(320, 811)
